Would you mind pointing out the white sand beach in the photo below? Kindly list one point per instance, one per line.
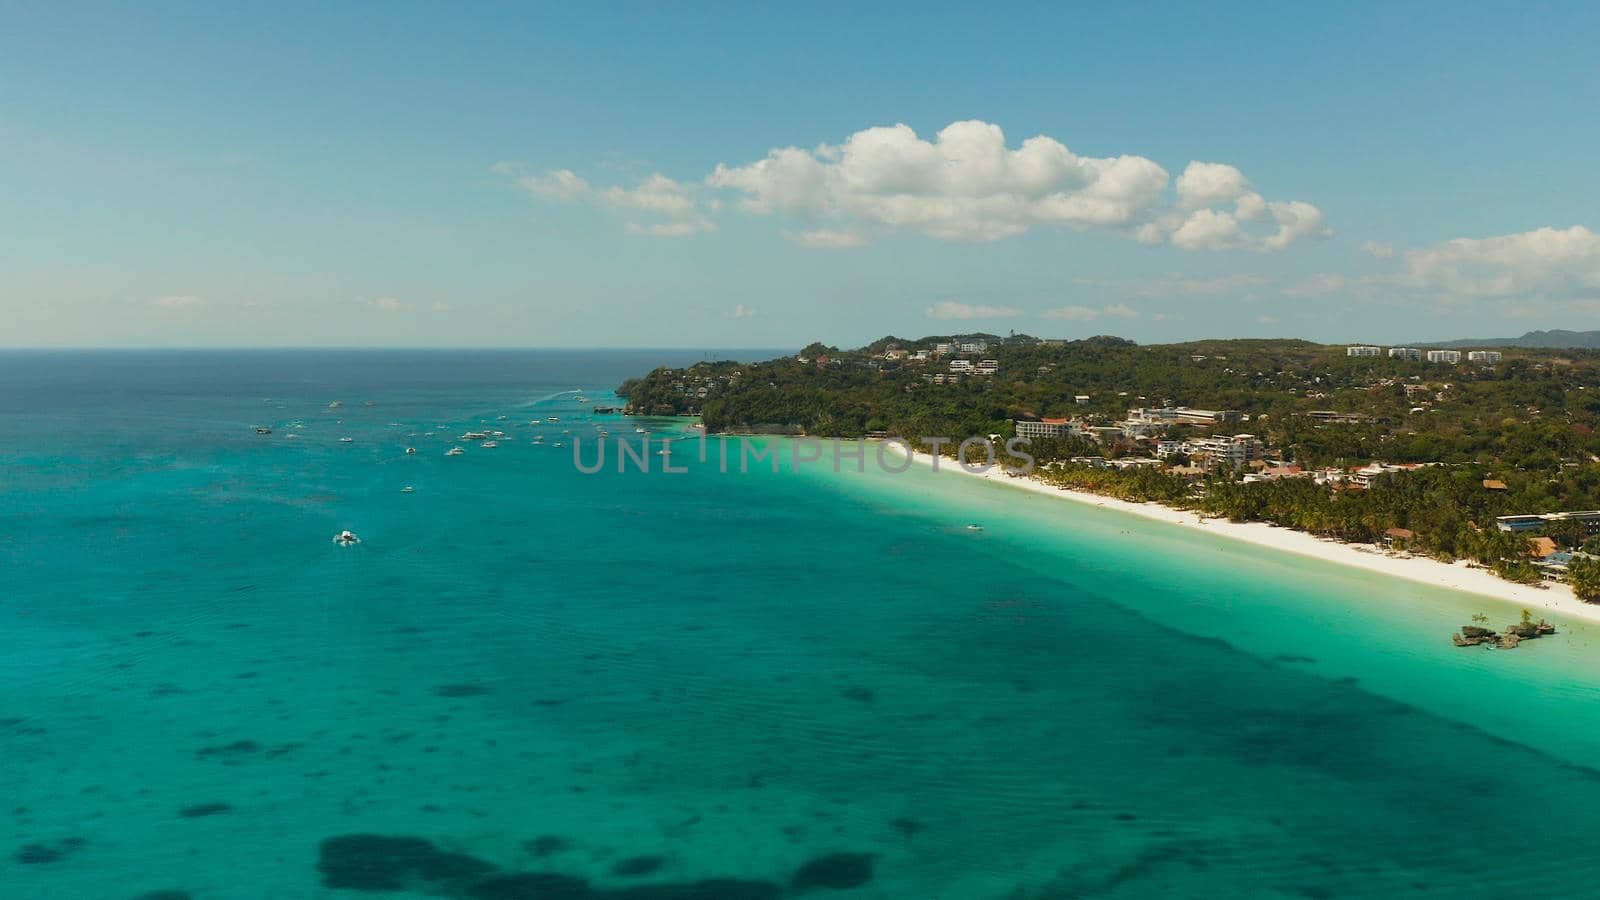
(1553, 597)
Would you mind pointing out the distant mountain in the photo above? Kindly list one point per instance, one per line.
(1555, 339)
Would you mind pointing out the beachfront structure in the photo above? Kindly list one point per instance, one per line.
(1484, 356)
(1409, 353)
(1235, 452)
(1588, 518)
(1444, 356)
(1363, 350)
(1048, 428)
(1183, 415)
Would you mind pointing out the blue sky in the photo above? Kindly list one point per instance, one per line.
(394, 174)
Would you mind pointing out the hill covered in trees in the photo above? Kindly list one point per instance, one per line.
(1518, 436)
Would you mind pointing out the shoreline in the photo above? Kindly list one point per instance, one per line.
(1557, 598)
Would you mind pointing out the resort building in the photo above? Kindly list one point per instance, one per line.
(1363, 351)
(987, 367)
(1234, 452)
(974, 346)
(1047, 428)
(942, 349)
(1410, 353)
(1484, 356)
(1444, 356)
(1183, 415)
(961, 365)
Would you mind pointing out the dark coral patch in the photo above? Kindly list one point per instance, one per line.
(37, 854)
(226, 751)
(836, 871)
(635, 866)
(908, 827)
(372, 862)
(204, 809)
(547, 845)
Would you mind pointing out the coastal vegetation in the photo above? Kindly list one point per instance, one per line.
(1461, 444)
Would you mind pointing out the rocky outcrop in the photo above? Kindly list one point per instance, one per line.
(1526, 630)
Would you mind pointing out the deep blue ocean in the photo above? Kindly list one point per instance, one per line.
(530, 682)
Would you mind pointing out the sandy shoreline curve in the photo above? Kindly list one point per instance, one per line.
(1557, 597)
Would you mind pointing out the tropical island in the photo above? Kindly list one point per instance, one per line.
(1486, 454)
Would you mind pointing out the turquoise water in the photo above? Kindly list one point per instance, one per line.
(654, 686)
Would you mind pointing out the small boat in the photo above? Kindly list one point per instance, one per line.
(605, 434)
(641, 430)
(559, 444)
(411, 451)
(489, 445)
(974, 527)
(455, 451)
(583, 399)
(261, 429)
(347, 440)
(664, 452)
(538, 439)
(475, 436)
(346, 538)
(335, 404)
(499, 434)
(292, 436)
(408, 489)
(502, 418)
(552, 418)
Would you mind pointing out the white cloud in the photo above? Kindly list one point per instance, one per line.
(1205, 184)
(1380, 249)
(964, 184)
(1544, 263)
(1209, 229)
(949, 309)
(676, 211)
(1089, 313)
(556, 184)
(1275, 224)
(180, 302)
